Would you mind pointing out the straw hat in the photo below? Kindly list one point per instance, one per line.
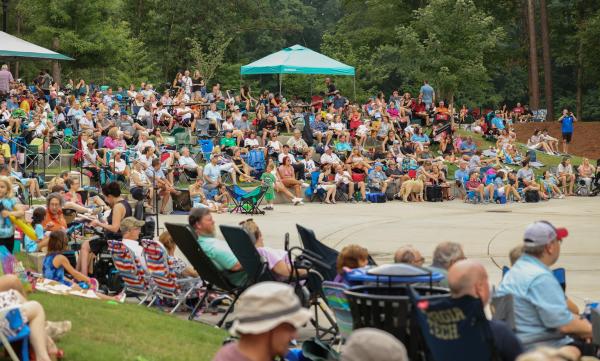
(369, 344)
(266, 305)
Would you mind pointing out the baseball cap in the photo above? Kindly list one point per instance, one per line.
(129, 223)
(541, 233)
(266, 305)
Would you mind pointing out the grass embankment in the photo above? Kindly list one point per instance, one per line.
(547, 160)
(108, 331)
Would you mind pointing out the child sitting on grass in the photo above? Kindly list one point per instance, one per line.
(55, 265)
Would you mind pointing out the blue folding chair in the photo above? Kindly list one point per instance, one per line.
(206, 148)
(338, 303)
(256, 160)
(454, 326)
(18, 331)
(559, 273)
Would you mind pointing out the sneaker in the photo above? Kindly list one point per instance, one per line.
(295, 201)
(268, 208)
(121, 297)
(562, 196)
(301, 202)
(305, 185)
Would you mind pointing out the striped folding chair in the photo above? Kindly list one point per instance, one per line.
(338, 303)
(161, 270)
(132, 273)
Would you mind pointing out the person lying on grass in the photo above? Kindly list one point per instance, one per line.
(55, 265)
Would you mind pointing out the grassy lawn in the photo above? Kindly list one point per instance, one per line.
(106, 331)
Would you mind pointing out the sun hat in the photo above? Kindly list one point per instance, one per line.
(542, 233)
(367, 344)
(266, 305)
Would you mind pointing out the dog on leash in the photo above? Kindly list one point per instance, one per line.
(414, 187)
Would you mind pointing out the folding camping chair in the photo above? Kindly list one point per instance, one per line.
(470, 335)
(242, 246)
(327, 254)
(215, 280)
(338, 302)
(206, 148)
(133, 275)
(256, 161)
(54, 155)
(17, 331)
(247, 202)
(168, 285)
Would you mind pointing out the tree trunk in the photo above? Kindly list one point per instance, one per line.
(55, 64)
(534, 101)
(579, 82)
(548, 92)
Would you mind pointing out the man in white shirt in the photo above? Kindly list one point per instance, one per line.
(145, 118)
(330, 157)
(214, 116)
(344, 182)
(86, 122)
(130, 229)
(187, 82)
(188, 163)
(297, 143)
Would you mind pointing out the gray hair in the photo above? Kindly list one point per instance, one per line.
(446, 254)
(535, 251)
(4, 67)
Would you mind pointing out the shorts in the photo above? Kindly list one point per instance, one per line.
(567, 137)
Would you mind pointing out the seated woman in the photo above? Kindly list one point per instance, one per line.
(118, 166)
(120, 209)
(270, 178)
(362, 132)
(113, 141)
(327, 185)
(438, 177)
(420, 139)
(54, 219)
(139, 184)
(550, 184)
(308, 161)
(389, 140)
(199, 200)
(277, 259)
(503, 187)
(181, 268)
(350, 257)
(72, 195)
(240, 167)
(537, 142)
(586, 172)
(474, 184)
(55, 264)
(287, 175)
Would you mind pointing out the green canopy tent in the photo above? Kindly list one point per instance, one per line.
(13, 47)
(298, 60)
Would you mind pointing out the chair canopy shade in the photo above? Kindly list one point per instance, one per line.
(297, 60)
(13, 47)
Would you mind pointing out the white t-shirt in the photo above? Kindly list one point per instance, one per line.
(187, 162)
(289, 155)
(332, 159)
(141, 145)
(119, 165)
(249, 142)
(137, 250)
(343, 178)
(85, 122)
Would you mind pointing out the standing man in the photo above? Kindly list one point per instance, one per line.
(330, 87)
(567, 118)
(6, 79)
(428, 94)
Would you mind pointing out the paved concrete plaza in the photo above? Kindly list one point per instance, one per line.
(487, 232)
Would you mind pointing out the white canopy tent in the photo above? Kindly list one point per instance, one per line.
(13, 47)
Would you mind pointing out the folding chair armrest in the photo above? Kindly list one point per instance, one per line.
(5, 310)
(188, 280)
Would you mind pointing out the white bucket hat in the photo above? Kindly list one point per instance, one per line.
(266, 305)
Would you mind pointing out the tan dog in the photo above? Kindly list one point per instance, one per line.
(412, 186)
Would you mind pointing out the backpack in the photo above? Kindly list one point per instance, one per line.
(307, 133)
(532, 196)
(433, 193)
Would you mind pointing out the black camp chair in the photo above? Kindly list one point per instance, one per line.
(242, 246)
(215, 280)
(454, 326)
(328, 255)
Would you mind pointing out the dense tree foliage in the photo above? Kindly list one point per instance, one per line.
(473, 51)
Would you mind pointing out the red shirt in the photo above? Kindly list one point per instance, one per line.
(518, 110)
(419, 107)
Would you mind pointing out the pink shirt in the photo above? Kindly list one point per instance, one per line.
(5, 79)
(286, 172)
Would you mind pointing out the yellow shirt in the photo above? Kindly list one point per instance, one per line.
(5, 150)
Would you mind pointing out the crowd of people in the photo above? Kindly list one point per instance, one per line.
(398, 147)
(548, 325)
(338, 149)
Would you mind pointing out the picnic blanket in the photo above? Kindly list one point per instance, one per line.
(57, 288)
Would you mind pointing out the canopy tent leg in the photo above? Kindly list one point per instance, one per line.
(280, 95)
(354, 86)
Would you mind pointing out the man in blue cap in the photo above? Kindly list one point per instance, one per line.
(378, 181)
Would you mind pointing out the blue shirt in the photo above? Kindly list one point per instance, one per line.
(467, 148)
(343, 147)
(212, 171)
(420, 138)
(461, 175)
(498, 123)
(539, 302)
(567, 124)
(427, 92)
(30, 244)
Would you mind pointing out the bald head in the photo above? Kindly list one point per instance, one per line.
(469, 277)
